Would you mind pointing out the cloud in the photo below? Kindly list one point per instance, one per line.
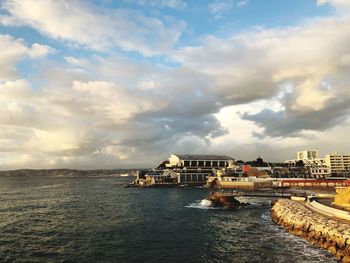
(175, 4)
(251, 92)
(342, 7)
(219, 7)
(293, 124)
(113, 121)
(312, 60)
(243, 3)
(335, 3)
(83, 118)
(102, 120)
(13, 50)
(7, 20)
(77, 22)
(38, 50)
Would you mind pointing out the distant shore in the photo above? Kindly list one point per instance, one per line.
(68, 173)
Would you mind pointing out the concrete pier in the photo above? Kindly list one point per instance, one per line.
(322, 231)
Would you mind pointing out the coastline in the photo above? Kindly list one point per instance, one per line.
(325, 232)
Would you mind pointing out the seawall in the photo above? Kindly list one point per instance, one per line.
(319, 230)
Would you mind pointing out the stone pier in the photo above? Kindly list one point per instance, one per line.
(319, 230)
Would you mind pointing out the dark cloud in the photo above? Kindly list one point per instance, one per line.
(285, 123)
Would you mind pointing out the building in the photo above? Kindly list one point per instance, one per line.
(196, 168)
(281, 172)
(338, 163)
(320, 171)
(191, 169)
(309, 158)
(196, 161)
(307, 155)
(198, 177)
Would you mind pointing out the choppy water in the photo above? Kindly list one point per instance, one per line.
(94, 220)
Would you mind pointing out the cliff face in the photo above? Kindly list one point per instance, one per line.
(324, 232)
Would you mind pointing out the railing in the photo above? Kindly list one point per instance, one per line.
(315, 183)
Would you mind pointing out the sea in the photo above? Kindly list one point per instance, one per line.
(56, 219)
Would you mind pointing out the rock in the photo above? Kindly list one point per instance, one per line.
(317, 229)
(332, 250)
(340, 242)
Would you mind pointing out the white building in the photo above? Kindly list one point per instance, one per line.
(307, 155)
(338, 163)
(320, 171)
(309, 158)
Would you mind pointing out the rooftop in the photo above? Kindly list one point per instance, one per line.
(203, 157)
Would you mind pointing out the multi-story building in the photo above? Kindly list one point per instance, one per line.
(196, 168)
(338, 163)
(313, 166)
(320, 171)
(191, 169)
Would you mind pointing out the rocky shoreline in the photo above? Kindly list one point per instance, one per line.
(319, 230)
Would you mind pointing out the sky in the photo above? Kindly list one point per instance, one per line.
(122, 84)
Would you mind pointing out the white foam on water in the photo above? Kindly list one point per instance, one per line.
(198, 205)
(304, 247)
(48, 186)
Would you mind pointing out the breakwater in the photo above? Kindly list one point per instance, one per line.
(319, 230)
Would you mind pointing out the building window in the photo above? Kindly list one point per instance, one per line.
(200, 163)
(222, 163)
(186, 163)
(182, 178)
(215, 163)
(207, 163)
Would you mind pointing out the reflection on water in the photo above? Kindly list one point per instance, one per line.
(94, 220)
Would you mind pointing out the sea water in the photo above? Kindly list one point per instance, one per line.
(45, 219)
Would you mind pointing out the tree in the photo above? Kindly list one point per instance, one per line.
(259, 162)
(299, 163)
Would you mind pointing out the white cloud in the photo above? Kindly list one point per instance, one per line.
(116, 103)
(13, 50)
(342, 7)
(312, 59)
(7, 20)
(176, 4)
(67, 123)
(219, 7)
(259, 91)
(336, 3)
(38, 50)
(78, 22)
(13, 90)
(243, 3)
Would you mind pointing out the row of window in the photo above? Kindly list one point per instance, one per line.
(205, 163)
(320, 171)
(193, 177)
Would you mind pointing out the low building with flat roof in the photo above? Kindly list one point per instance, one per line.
(194, 161)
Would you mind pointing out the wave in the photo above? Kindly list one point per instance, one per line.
(48, 186)
(198, 205)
